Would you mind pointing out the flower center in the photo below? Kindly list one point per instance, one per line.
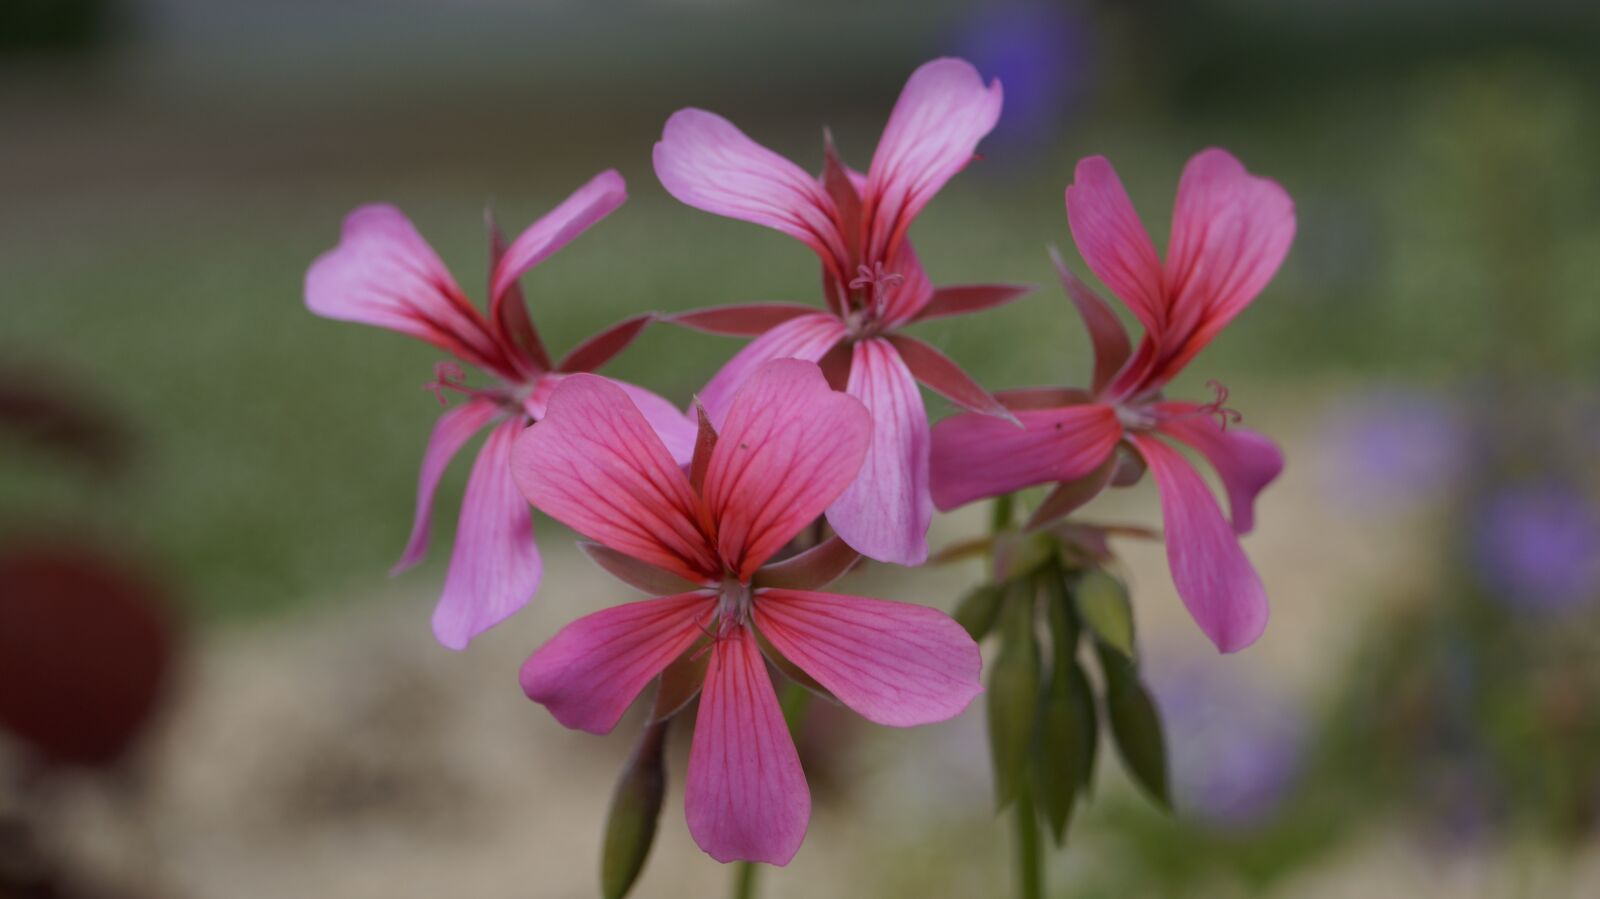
(448, 376)
(872, 285)
(526, 398)
(733, 607)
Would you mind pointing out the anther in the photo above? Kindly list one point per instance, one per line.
(1217, 407)
(446, 376)
(879, 280)
(449, 376)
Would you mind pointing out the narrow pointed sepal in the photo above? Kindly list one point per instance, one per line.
(741, 320)
(640, 575)
(935, 370)
(813, 569)
(965, 299)
(599, 349)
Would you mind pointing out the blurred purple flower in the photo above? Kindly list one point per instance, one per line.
(1394, 447)
(1037, 51)
(1235, 748)
(1538, 546)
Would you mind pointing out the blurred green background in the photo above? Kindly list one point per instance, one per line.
(167, 182)
(169, 168)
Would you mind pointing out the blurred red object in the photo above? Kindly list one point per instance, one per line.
(86, 646)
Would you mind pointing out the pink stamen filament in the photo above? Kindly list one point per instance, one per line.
(731, 611)
(1225, 416)
(1143, 416)
(879, 280)
(449, 376)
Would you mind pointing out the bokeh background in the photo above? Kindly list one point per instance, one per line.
(1422, 717)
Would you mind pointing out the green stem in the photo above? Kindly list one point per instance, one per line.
(1030, 873)
(1000, 515)
(744, 880)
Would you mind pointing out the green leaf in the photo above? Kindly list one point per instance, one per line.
(1013, 695)
(1136, 727)
(635, 809)
(1103, 603)
(979, 610)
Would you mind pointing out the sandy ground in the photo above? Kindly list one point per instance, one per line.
(344, 754)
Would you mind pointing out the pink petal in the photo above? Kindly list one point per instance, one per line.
(1246, 460)
(942, 113)
(676, 430)
(746, 798)
(946, 378)
(892, 662)
(978, 456)
(789, 446)
(707, 163)
(1106, 334)
(808, 337)
(746, 320)
(1114, 242)
(450, 433)
(599, 349)
(1212, 574)
(968, 298)
(886, 511)
(495, 567)
(586, 206)
(595, 464)
(1230, 232)
(383, 273)
(591, 671)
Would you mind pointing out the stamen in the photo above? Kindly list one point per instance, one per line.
(880, 280)
(1216, 407)
(449, 376)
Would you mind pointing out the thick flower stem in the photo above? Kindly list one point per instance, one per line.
(744, 880)
(1030, 871)
(1000, 514)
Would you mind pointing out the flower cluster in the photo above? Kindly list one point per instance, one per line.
(723, 512)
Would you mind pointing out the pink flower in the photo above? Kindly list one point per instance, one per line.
(789, 445)
(871, 280)
(383, 273)
(1230, 232)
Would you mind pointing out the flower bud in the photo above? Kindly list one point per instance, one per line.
(1013, 694)
(1103, 604)
(1135, 726)
(1065, 749)
(979, 609)
(635, 808)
